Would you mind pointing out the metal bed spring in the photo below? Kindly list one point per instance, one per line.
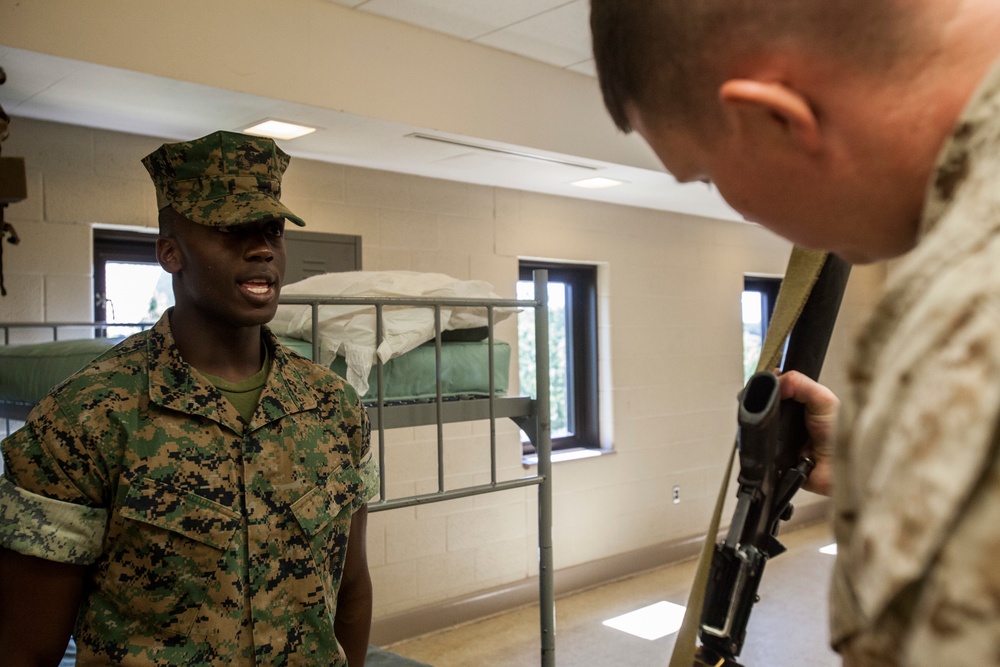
(531, 415)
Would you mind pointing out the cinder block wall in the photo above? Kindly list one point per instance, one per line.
(670, 327)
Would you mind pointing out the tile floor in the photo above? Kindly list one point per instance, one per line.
(787, 628)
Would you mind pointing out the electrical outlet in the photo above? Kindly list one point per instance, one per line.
(677, 494)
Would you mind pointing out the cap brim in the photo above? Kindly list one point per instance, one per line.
(236, 209)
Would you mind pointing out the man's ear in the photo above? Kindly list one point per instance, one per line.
(168, 254)
(750, 102)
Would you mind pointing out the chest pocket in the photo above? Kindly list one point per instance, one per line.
(324, 515)
(169, 556)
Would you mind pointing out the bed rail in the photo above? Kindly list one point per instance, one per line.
(95, 329)
(531, 414)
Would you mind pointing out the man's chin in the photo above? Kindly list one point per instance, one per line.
(870, 255)
(259, 317)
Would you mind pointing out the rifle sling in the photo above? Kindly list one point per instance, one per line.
(803, 268)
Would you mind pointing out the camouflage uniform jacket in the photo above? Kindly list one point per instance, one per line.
(210, 541)
(917, 496)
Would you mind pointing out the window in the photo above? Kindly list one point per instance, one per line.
(129, 284)
(572, 351)
(759, 296)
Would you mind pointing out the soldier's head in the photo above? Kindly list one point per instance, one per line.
(222, 224)
(671, 56)
(807, 115)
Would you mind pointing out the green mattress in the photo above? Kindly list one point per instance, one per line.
(28, 372)
(411, 377)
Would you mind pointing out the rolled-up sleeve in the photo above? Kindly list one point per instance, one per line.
(368, 469)
(47, 528)
(52, 489)
(354, 414)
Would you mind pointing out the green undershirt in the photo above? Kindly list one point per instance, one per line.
(245, 394)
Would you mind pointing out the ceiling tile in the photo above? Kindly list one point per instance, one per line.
(467, 19)
(560, 36)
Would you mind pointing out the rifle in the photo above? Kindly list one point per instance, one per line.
(771, 436)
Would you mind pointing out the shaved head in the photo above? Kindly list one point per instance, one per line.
(669, 56)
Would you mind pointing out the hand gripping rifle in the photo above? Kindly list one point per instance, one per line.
(771, 436)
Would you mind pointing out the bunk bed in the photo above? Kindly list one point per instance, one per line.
(437, 406)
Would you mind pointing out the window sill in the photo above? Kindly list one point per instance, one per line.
(561, 455)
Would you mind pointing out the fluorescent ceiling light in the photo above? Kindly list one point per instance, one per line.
(829, 549)
(277, 129)
(652, 622)
(597, 183)
(494, 149)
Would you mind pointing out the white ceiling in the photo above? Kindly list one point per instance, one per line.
(551, 31)
(555, 32)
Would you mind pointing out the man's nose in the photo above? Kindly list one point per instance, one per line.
(257, 247)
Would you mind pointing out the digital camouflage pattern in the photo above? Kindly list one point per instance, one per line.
(917, 493)
(221, 179)
(212, 541)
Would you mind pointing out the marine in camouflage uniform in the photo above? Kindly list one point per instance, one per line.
(917, 495)
(825, 122)
(210, 536)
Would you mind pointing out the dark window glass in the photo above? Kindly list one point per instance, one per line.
(573, 348)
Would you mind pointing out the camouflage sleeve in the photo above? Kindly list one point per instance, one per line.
(45, 510)
(368, 469)
(52, 529)
(361, 451)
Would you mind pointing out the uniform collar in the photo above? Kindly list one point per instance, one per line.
(286, 391)
(973, 145)
(176, 385)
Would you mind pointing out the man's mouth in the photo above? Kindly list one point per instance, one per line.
(257, 286)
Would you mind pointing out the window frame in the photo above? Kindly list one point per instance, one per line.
(768, 288)
(117, 245)
(583, 409)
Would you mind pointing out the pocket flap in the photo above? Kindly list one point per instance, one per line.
(163, 505)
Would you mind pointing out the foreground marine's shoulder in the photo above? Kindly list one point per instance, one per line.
(123, 366)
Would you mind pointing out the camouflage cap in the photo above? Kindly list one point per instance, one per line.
(221, 179)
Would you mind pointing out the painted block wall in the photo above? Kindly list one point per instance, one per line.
(671, 343)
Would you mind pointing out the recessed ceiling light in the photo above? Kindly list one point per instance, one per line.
(277, 129)
(652, 622)
(597, 183)
(499, 149)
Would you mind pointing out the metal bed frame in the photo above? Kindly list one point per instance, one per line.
(531, 415)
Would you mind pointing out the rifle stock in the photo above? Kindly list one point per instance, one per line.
(771, 437)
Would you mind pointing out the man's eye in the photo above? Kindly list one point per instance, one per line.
(276, 230)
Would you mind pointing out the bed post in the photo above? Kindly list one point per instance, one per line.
(543, 447)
